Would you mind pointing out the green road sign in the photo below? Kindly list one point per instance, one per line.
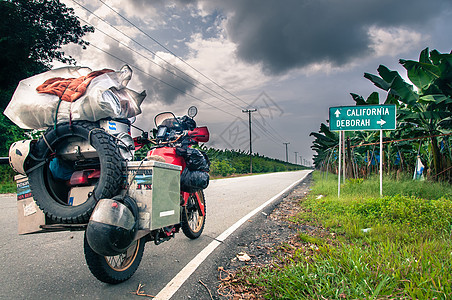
(363, 117)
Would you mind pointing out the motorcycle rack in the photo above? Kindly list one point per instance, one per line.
(63, 227)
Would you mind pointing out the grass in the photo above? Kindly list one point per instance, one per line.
(7, 188)
(7, 183)
(397, 246)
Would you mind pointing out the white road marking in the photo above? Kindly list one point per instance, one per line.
(171, 288)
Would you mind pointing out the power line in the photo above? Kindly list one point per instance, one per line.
(260, 126)
(265, 131)
(156, 55)
(164, 82)
(174, 54)
(153, 62)
(281, 138)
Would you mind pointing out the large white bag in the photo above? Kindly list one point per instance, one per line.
(106, 96)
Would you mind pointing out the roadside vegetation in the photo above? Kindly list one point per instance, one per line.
(364, 246)
(424, 123)
(229, 162)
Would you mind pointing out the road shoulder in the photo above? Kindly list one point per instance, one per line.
(258, 238)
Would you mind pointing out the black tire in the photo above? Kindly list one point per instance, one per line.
(192, 222)
(114, 269)
(51, 194)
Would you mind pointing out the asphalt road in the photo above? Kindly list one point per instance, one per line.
(52, 265)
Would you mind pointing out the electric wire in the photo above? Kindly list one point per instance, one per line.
(156, 55)
(263, 130)
(260, 127)
(153, 62)
(175, 55)
(178, 57)
(162, 81)
(271, 138)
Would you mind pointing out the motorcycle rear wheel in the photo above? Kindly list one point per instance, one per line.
(114, 269)
(192, 221)
(51, 194)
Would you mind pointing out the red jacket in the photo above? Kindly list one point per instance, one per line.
(69, 89)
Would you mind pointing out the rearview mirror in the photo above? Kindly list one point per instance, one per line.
(192, 111)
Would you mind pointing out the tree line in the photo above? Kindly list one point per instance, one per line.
(225, 162)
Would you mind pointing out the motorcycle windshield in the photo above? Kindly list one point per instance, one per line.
(168, 120)
(165, 118)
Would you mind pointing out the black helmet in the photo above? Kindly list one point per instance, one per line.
(113, 225)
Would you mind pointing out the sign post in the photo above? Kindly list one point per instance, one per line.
(363, 117)
(339, 171)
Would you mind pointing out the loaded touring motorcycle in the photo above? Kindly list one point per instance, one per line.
(83, 176)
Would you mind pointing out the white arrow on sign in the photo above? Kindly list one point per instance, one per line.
(381, 122)
(337, 113)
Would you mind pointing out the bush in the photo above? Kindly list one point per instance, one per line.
(221, 168)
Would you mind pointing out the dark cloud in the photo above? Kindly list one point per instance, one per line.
(116, 55)
(169, 85)
(164, 84)
(282, 35)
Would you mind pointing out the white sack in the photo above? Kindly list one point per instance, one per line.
(29, 109)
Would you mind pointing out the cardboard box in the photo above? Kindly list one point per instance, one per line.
(79, 194)
(29, 216)
(31, 219)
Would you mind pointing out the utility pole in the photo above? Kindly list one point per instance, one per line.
(287, 154)
(249, 111)
(296, 157)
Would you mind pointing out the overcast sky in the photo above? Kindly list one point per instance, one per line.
(289, 59)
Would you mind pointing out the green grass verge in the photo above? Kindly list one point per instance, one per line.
(7, 184)
(8, 188)
(396, 246)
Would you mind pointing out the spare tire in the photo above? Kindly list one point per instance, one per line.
(51, 194)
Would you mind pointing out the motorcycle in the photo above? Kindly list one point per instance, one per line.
(83, 176)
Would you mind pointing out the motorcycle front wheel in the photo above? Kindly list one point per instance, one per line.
(192, 222)
(114, 269)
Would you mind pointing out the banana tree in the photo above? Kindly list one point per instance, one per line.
(324, 145)
(428, 106)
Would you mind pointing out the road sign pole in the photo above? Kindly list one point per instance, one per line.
(339, 171)
(381, 163)
(344, 165)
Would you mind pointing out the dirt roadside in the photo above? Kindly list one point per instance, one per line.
(254, 244)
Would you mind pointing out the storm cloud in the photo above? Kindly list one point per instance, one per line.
(283, 35)
(166, 87)
(163, 82)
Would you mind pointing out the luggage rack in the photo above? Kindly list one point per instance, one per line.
(63, 227)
